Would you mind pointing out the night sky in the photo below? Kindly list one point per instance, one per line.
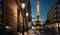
(45, 6)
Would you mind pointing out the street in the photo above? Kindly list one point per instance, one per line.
(41, 32)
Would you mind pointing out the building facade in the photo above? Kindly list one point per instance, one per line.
(10, 16)
(13, 16)
(54, 16)
(1, 24)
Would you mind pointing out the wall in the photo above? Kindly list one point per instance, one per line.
(10, 15)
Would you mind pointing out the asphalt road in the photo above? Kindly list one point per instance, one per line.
(42, 32)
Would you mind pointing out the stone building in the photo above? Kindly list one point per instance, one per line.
(54, 16)
(11, 9)
(13, 16)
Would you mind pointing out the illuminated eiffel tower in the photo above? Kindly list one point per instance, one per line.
(38, 20)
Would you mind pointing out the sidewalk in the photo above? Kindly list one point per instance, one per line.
(25, 33)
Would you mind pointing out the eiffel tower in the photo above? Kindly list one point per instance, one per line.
(38, 20)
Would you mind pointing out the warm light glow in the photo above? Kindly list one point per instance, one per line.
(56, 24)
(19, 33)
(59, 24)
(29, 24)
(23, 5)
(27, 14)
(38, 27)
(34, 23)
(25, 33)
(7, 27)
(33, 28)
(38, 10)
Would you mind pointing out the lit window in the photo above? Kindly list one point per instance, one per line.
(56, 24)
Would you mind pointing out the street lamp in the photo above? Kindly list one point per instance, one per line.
(7, 26)
(23, 7)
(27, 22)
(27, 14)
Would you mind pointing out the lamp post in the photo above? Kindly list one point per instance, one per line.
(23, 7)
(27, 22)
